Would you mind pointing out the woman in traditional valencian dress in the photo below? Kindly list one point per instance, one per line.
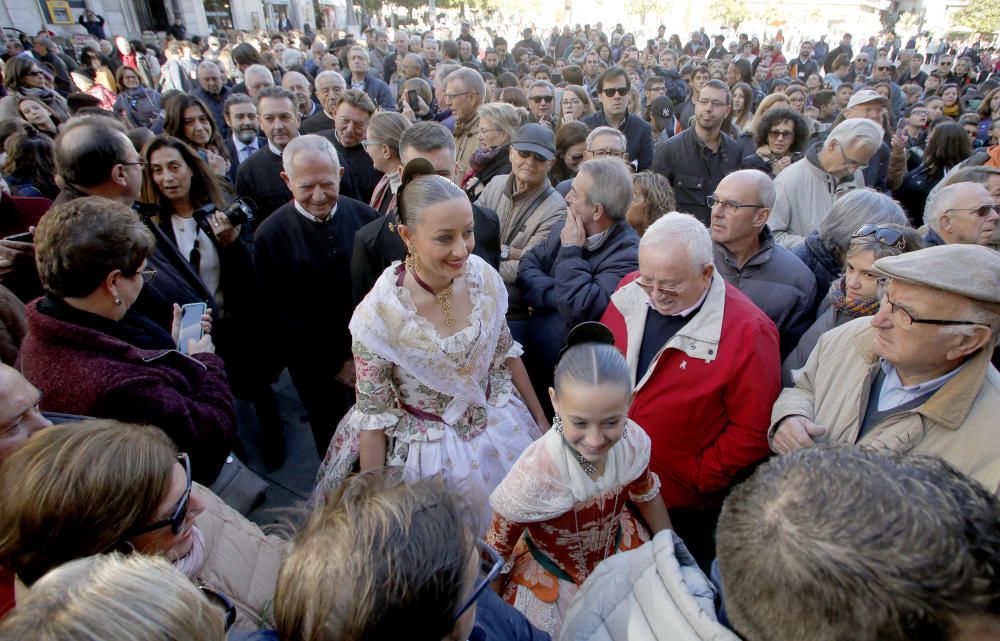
(438, 373)
(562, 508)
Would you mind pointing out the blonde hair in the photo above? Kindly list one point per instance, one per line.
(766, 104)
(382, 559)
(77, 489)
(387, 127)
(114, 598)
(505, 116)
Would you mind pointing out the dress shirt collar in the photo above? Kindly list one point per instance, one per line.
(299, 208)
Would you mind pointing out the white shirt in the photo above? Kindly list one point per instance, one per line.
(210, 269)
(299, 208)
(894, 393)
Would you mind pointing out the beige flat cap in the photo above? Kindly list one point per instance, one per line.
(972, 271)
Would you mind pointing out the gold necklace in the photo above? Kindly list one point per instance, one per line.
(443, 297)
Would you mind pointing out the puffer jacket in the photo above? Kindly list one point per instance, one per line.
(653, 593)
(804, 193)
(821, 261)
(240, 560)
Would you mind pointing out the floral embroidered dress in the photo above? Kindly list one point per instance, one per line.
(554, 524)
(445, 404)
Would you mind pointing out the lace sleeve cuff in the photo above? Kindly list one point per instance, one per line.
(645, 489)
(363, 422)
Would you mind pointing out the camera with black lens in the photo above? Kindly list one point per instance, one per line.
(238, 212)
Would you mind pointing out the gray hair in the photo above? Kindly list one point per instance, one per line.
(611, 185)
(505, 116)
(686, 230)
(854, 209)
(977, 313)
(593, 364)
(471, 81)
(443, 71)
(425, 137)
(209, 65)
(543, 83)
(856, 133)
(863, 531)
(763, 185)
(942, 201)
(291, 57)
(110, 597)
(328, 74)
(309, 142)
(259, 70)
(607, 131)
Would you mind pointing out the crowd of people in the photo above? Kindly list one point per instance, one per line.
(749, 303)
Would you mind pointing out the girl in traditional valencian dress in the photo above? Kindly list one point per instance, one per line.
(562, 508)
(436, 366)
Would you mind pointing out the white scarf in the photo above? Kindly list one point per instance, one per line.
(547, 480)
(389, 327)
(190, 564)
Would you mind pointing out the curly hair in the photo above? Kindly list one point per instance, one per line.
(781, 114)
(658, 196)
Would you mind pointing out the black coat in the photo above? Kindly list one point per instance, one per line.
(304, 283)
(692, 172)
(378, 244)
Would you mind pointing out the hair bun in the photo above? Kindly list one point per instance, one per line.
(416, 168)
(587, 332)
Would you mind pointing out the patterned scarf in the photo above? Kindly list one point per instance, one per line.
(853, 308)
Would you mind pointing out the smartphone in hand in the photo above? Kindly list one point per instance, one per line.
(191, 328)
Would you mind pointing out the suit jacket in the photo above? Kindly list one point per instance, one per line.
(234, 156)
(378, 244)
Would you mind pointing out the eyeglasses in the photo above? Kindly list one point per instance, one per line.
(221, 599)
(147, 274)
(371, 143)
(651, 289)
(884, 235)
(575, 158)
(858, 166)
(919, 112)
(906, 318)
(781, 133)
(537, 99)
(490, 564)
(728, 206)
(981, 212)
(604, 153)
(176, 520)
(530, 154)
(944, 64)
(452, 96)
(715, 104)
(611, 91)
(882, 68)
(141, 163)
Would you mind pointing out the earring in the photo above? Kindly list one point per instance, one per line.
(557, 423)
(118, 301)
(411, 259)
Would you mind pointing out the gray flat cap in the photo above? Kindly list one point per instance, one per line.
(972, 271)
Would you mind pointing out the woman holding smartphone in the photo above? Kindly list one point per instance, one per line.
(191, 199)
(91, 254)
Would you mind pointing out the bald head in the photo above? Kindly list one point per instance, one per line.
(298, 84)
(743, 204)
(961, 213)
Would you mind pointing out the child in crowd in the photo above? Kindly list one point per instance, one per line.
(563, 507)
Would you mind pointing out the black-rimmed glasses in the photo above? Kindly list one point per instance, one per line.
(490, 564)
(222, 600)
(611, 91)
(729, 205)
(906, 316)
(147, 275)
(175, 520)
(142, 163)
(884, 235)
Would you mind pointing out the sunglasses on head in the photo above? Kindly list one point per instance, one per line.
(537, 99)
(223, 601)
(175, 520)
(611, 91)
(884, 235)
(530, 154)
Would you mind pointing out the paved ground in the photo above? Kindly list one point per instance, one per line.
(290, 485)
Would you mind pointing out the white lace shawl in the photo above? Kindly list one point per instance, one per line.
(547, 480)
(388, 327)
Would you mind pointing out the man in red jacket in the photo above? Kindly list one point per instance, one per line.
(705, 370)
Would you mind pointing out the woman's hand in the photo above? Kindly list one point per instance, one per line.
(224, 231)
(407, 111)
(780, 164)
(218, 164)
(175, 325)
(14, 255)
(203, 346)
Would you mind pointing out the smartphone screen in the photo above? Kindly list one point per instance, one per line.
(191, 324)
(411, 97)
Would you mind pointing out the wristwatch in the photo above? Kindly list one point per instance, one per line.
(504, 252)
